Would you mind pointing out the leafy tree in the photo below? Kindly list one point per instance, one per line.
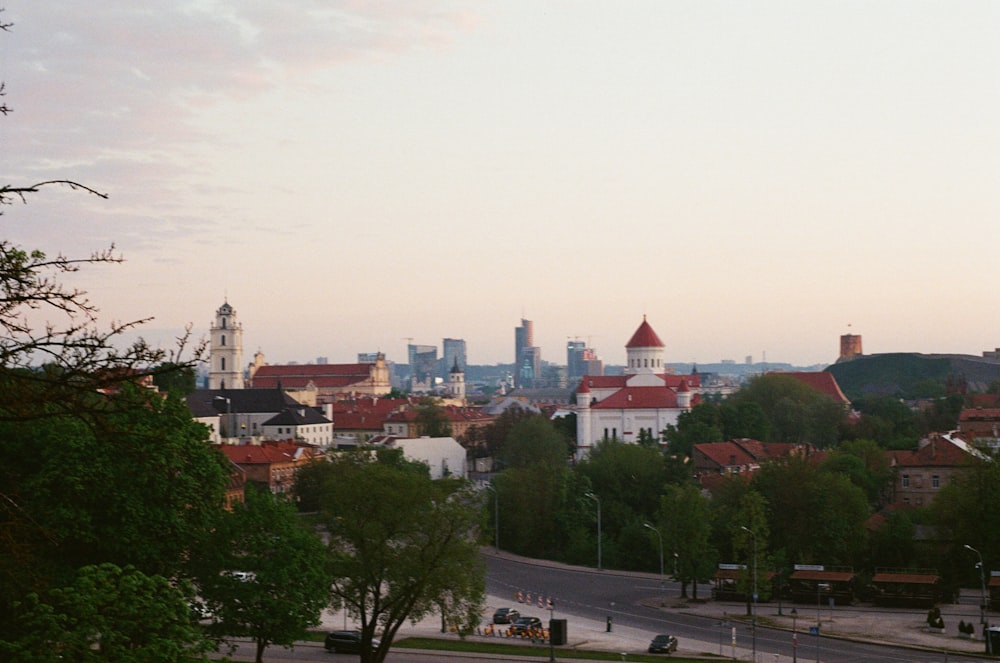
(108, 614)
(698, 425)
(135, 486)
(965, 507)
(684, 519)
(750, 535)
(866, 465)
(431, 419)
(893, 543)
(532, 488)
(401, 545)
(795, 412)
(488, 440)
(175, 378)
(288, 584)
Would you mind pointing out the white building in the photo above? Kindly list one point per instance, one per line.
(443, 455)
(645, 398)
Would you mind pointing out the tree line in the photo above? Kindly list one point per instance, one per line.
(826, 505)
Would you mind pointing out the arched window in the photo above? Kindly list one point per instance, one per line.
(223, 323)
(223, 340)
(222, 363)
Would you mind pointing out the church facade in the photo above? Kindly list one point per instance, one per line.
(643, 401)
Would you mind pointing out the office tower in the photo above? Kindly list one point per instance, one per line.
(423, 366)
(452, 352)
(524, 339)
(581, 360)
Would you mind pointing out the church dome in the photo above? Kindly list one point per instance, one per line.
(644, 337)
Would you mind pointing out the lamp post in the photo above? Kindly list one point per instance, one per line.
(594, 497)
(663, 585)
(754, 618)
(984, 603)
(496, 515)
(795, 636)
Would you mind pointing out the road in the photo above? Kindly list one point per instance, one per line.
(632, 602)
(625, 598)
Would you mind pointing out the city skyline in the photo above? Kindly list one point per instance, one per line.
(756, 178)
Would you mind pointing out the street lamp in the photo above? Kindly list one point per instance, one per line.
(594, 497)
(984, 604)
(795, 636)
(496, 515)
(754, 620)
(663, 584)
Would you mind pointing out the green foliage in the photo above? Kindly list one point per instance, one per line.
(684, 521)
(174, 378)
(866, 465)
(965, 509)
(401, 545)
(898, 375)
(893, 544)
(795, 412)
(134, 487)
(431, 419)
(534, 441)
(108, 614)
(488, 440)
(288, 586)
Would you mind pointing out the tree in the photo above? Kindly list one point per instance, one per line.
(287, 585)
(401, 545)
(750, 540)
(431, 419)
(108, 614)
(683, 517)
(134, 486)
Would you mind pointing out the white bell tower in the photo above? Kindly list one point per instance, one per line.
(225, 354)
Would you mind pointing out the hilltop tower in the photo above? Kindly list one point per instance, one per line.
(225, 353)
(850, 347)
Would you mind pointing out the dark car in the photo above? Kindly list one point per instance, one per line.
(346, 642)
(525, 624)
(663, 644)
(505, 616)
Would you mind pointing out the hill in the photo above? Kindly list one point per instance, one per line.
(914, 375)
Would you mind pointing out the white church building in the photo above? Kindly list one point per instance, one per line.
(645, 398)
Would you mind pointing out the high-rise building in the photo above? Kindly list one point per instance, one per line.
(581, 360)
(452, 353)
(423, 366)
(527, 357)
(225, 354)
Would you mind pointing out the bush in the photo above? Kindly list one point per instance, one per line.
(966, 628)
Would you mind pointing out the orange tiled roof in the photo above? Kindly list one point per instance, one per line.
(641, 398)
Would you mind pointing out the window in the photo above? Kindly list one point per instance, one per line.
(223, 340)
(222, 363)
(906, 481)
(223, 323)
(936, 481)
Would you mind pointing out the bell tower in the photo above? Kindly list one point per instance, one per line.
(225, 354)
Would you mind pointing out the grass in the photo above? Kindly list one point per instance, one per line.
(541, 651)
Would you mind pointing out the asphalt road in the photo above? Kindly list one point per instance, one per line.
(626, 597)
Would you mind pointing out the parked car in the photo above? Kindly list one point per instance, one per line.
(505, 615)
(346, 642)
(525, 624)
(663, 644)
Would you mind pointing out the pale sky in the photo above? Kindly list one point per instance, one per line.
(755, 177)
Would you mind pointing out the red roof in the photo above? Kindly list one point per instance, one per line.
(639, 398)
(821, 381)
(907, 578)
(725, 454)
(256, 455)
(822, 576)
(939, 452)
(644, 337)
(619, 381)
(297, 376)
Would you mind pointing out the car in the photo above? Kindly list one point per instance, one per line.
(505, 615)
(525, 624)
(346, 642)
(663, 644)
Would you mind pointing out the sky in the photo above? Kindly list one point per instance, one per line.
(756, 178)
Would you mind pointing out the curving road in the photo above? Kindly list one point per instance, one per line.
(596, 595)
